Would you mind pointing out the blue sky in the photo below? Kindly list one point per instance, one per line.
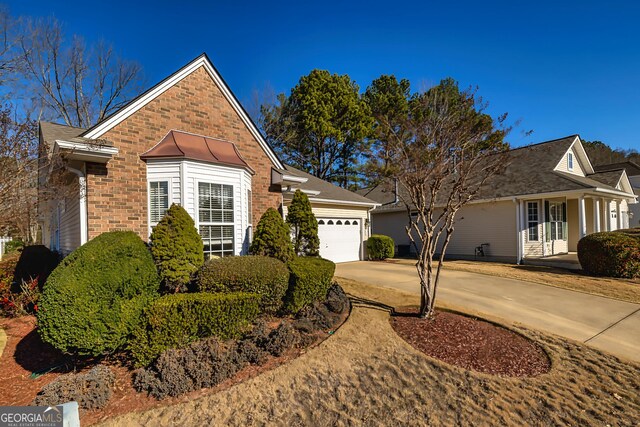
(559, 68)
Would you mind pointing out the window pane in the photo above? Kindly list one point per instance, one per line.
(158, 200)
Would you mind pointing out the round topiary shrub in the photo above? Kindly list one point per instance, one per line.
(380, 247)
(272, 237)
(94, 298)
(267, 277)
(177, 249)
(612, 254)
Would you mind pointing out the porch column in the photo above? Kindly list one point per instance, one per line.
(543, 238)
(596, 215)
(582, 223)
(619, 215)
(607, 215)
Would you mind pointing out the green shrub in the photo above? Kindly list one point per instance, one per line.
(94, 298)
(612, 254)
(267, 277)
(272, 237)
(380, 247)
(309, 282)
(35, 262)
(13, 246)
(173, 321)
(304, 225)
(177, 249)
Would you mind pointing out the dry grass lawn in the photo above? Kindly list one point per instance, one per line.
(622, 289)
(366, 375)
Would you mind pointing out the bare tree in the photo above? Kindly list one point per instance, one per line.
(453, 149)
(74, 83)
(18, 174)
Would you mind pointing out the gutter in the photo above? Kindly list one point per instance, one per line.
(82, 181)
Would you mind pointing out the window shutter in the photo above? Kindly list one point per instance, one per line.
(564, 221)
(547, 227)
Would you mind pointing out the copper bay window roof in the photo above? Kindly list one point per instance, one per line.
(178, 144)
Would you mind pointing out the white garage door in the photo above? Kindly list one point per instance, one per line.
(339, 239)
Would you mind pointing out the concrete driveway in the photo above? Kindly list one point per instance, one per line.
(607, 324)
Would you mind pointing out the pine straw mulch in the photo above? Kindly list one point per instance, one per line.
(367, 375)
(25, 353)
(471, 343)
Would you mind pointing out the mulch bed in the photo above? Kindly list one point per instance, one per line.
(26, 353)
(471, 343)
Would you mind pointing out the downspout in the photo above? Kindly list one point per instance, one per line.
(82, 181)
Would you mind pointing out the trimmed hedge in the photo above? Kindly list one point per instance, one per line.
(267, 277)
(94, 298)
(380, 247)
(612, 254)
(309, 282)
(173, 321)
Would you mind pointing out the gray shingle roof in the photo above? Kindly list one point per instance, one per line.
(327, 190)
(529, 171)
(53, 131)
(632, 168)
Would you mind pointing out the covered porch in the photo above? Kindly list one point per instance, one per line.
(550, 226)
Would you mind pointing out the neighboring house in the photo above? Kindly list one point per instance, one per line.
(186, 140)
(548, 197)
(633, 172)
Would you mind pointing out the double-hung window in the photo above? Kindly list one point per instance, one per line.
(570, 161)
(158, 200)
(532, 221)
(216, 218)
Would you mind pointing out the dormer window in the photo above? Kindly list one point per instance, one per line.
(570, 161)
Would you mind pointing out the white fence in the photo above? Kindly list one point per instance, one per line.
(3, 242)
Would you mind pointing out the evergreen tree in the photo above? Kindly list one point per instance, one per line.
(303, 225)
(177, 248)
(272, 237)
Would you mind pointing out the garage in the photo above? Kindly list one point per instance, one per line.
(340, 239)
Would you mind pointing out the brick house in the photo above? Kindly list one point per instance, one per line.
(186, 140)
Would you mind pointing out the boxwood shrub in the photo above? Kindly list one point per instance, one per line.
(613, 254)
(173, 321)
(380, 247)
(309, 282)
(262, 275)
(93, 299)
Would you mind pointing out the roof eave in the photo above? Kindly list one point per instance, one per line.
(86, 152)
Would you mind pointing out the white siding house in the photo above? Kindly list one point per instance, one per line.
(548, 198)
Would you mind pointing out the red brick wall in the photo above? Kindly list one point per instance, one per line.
(117, 193)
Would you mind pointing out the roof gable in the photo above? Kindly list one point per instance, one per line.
(202, 61)
(582, 165)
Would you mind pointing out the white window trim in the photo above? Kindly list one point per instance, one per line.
(169, 182)
(196, 202)
(570, 160)
(537, 221)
